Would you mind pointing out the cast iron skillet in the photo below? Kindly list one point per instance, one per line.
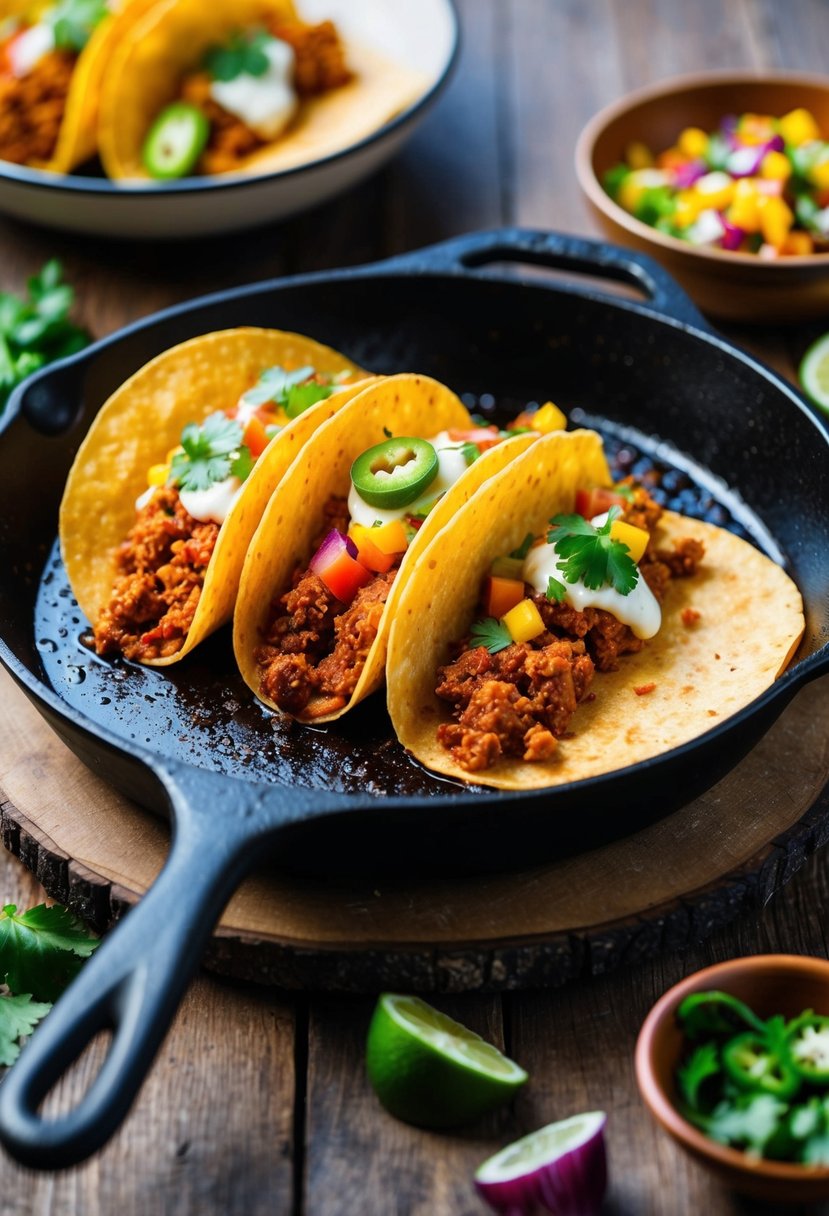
(189, 742)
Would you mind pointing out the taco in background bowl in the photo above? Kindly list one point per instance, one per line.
(174, 474)
(52, 63)
(343, 536)
(240, 86)
(529, 653)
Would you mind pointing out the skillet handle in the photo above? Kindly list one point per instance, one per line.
(562, 251)
(135, 980)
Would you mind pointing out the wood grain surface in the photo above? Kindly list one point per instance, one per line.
(258, 1104)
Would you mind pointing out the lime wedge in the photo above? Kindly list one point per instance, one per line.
(429, 1070)
(814, 373)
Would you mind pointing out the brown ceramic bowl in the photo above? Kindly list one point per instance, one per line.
(735, 286)
(769, 984)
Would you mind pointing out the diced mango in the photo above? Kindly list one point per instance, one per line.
(638, 155)
(716, 190)
(636, 539)
(744, 210)
(390, 538)
(688, 206)
(798, 244)
(671, 158)
(524, 621)
(755, 128)
(820, 175)
(636, 183)
(798, 127)
(693, 142)
(776, 166)
(776, 219)
(368, 553)
(548, 418)
(157, 474)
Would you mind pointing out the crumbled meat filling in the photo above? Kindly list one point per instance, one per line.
(519, 701)
(315, 647)
(161, 568)
(319, 67)
(32, 108)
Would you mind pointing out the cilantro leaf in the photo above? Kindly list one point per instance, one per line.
(41, 950)
(18, 1017)
(748, 1124)
(209, 452)
(491, 633)
(301, 397)
(555, 590)
(73, 22)
(523, 549)
(589, 555)
(624, 491)
(274, 383)
(701, 1064)
(242, 466)
(244, 54)
(34, 331)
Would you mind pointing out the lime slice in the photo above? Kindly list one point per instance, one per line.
(429, 1070)
(814, 373)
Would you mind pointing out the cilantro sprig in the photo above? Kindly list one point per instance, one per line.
(288, 390)
(244, 54)
(40, 952)
(211, 452)
(36, 330)
(589, 554)
(491, 633)
(73, 22)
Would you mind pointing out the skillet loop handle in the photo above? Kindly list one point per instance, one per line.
(131, 985)
(561, 251)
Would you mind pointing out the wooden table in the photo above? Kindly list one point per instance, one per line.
(258, 1102)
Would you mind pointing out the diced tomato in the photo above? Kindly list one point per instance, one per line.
(596, 500)
(483, 437)
(368, 553)
(345, 576)
(255, 437)
(501, 594)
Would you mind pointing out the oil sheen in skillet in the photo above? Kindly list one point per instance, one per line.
(201, 711)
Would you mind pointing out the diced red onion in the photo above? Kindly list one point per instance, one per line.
(330, 549)
(733, 236)
(562, 1168)
(685, 175)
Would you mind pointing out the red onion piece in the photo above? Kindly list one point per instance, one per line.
(561, 1168)
(733, 236)
(685, 175)
(330, 549)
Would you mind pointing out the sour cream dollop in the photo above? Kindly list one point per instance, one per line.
(29, 48)
(451, 466)
(265, 103)
(213, 504)
(639, 609)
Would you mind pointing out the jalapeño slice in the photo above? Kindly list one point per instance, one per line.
(807, 1040)
(175, 141)
(395, 472)
(754, 1063)
(718, 1013)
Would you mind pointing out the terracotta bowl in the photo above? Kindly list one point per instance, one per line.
(769, 984)
(736, 286)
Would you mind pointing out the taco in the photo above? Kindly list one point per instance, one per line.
(52, 62)
(240, 86)
(529, 653)
(172, 478)
(343, 535)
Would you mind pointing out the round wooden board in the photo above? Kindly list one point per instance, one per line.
(662, 888)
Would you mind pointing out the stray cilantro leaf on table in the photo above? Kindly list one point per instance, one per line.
(36, 330)
(211, 452)
(590, 554)
(18, 1017)
(41, 950)
(491, 633)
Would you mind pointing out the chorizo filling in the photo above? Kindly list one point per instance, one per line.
(32, 106)
(515, 682)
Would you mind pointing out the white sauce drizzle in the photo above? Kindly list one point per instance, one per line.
(265, 103)
(452, 466)
(27, 50)
(214, 503)
(639, 608)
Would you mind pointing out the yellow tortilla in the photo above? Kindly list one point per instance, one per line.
(171, 42)
(407, 405)
(78, 134)
(751, 620)
(139, 424)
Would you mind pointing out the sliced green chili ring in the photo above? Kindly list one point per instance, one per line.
(395, 472)
(175, 141)
(807, 1042)
(718, 1013)
(756, 1066)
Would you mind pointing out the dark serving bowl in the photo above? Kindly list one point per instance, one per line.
(190, 742)
(738, 286)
